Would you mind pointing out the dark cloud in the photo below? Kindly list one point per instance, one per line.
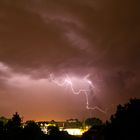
(39, 37)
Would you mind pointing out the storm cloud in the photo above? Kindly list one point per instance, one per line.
(76, 37)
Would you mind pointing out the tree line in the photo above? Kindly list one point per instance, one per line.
(123, 125)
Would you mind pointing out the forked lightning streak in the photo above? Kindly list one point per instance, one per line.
(68, 82)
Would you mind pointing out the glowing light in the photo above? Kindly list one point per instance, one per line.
(86, 90)
(74, 131)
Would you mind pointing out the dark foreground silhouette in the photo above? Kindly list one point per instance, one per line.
(123, 125)
(13, 129)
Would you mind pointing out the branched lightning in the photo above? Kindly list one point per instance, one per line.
(68, 82)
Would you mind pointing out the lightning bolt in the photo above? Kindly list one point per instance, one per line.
(68, 82)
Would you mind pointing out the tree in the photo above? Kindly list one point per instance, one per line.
(125, 123)
(16, 119)
(93, 122)
(14, 128)
(1, 130)
(95, 129)
(53, 130)
(32, 130)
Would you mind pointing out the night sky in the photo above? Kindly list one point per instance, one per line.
(43, 41)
